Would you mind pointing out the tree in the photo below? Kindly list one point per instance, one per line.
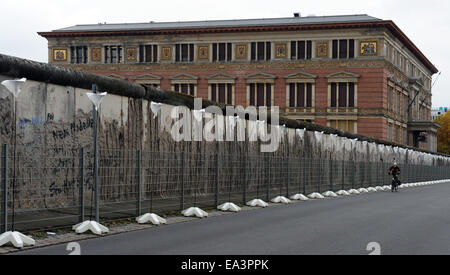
(443, 136)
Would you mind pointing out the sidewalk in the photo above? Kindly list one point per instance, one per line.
(117, 229)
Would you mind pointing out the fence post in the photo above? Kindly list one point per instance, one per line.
(331, 174)
(410, 176)
(343, 175)
(321, 175)
(361, 177)
(216, 195)
(5, 189)
(288, 178)
(268, 180)
(304, 174)
(353, 173)
(81, 186)
(182, 183)
(378, 174)
(138, 182)
(245, 180)
(97, 208)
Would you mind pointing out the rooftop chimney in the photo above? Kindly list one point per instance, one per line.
(296, 14)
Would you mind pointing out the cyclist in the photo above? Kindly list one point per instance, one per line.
(395, 171)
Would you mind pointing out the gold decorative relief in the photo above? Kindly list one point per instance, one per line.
(60, 55)
(203, 52)
(96, 54)
(166, 53)
(322, 49)
(241, 51)
(280, 50)
(368, 48)
(131, 54)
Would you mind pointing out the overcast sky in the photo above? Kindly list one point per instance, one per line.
(427, 23)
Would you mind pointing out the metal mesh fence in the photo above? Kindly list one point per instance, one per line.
(45, 188)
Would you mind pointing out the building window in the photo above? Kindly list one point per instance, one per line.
(389, 134)
(222, 93)
(301, 50)
(405, 105)
(148, 53)
(417, 109)
(305, 120)
(221, 52)
(405, 136)
(261, 51)
(184, 52)
(79, 54)
(344, 125)
(260, 94)
(188, 89)
(343, 49)
(184, 83)
(388, 51)
(390, 98)
(300, 95)
(397, 134)
(113, 54)
(154, 85)
(342, 95)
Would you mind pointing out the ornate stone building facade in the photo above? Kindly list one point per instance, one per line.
(357, 73)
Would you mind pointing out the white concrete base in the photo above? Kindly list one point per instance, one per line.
(316, 196)
(363, 190)
(151, 218)
(257, 203)
(299, 197)
(354, 192)
(17, 239)
(372, 190)
(93, 226)
(343, 193)
(330, 194)
(229, 207)
(281, 199)
(379, 188)
(194, 211)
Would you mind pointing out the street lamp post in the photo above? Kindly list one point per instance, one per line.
(16, 238)
(94, 226)
(151, 217)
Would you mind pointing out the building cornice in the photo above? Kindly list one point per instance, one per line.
(390, 25)
(339, 65)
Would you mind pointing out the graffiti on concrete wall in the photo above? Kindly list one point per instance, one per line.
(48, 153)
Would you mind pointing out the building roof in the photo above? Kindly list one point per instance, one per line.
(221, 23)
(242, 25)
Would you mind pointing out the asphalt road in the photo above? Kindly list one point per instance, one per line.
(413, 221)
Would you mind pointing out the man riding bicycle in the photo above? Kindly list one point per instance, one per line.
(395, 171)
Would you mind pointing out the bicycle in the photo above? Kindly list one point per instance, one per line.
(395, 183)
